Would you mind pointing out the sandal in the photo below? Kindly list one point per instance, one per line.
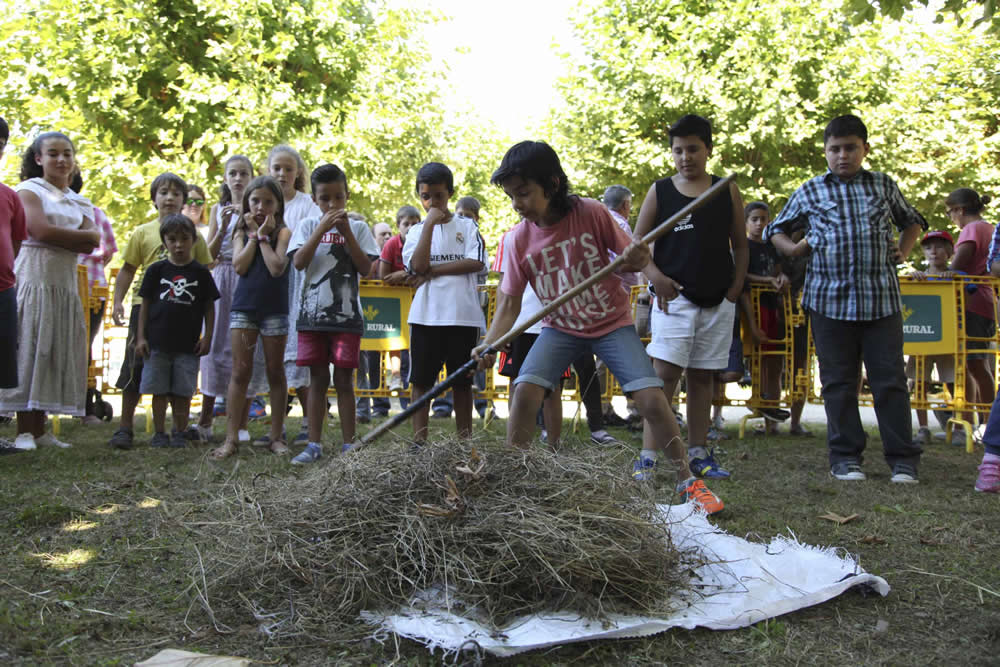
(227, 449)
(278, 447)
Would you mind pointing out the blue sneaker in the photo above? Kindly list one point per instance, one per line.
(346, 447)
(257, 408)
(708, 468)
(310, 454)
(219, 409)
(643, 469)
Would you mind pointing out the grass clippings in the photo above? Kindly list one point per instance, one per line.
(477, 528)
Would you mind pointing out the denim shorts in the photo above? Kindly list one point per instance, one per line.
(621, 351)
(173, 373)
(269, 325)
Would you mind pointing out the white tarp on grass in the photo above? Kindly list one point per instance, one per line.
(742, 584)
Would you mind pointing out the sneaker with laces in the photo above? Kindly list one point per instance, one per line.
(715, 434)
(958, 437)
(602, 437)
(178, 440)
(847, 471)
(7, 447)
(25, 442)
(160, 440)
(310, 454)
(923, 436)
(708, 467)
(696, 493)
(774, 414)
(346, 447)
(122, 439)
(265, 440)
(219, 409)
(643, 469)
(395, 382)
(904, 473)
(49, 440)
(301, 439)
(988, 480)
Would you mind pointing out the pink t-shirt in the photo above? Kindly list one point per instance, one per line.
(557, 258)
(12, 228)
(979, 234)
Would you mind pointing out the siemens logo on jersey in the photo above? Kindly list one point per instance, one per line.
(446, 258)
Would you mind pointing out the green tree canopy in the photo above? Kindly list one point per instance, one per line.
(770, 74)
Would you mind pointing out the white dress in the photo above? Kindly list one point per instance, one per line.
(52, 336)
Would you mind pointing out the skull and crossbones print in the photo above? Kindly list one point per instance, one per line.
(177, 289)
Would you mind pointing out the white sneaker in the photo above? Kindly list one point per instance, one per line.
(205, 433)
(395, 382)
(243, 435)
(25, 441)
(49, 440)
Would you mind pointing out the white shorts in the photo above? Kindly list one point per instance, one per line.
(692, 337)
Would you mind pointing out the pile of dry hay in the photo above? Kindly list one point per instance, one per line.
(496, 532)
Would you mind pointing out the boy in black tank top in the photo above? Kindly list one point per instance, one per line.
(697, 274)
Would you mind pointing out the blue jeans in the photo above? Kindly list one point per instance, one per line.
(991, 437)
(621, 350)
(370, 377)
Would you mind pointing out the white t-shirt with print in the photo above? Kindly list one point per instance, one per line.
(329, 297)
(448, 300)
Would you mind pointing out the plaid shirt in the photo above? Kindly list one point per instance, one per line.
(850, 274)
(103, 253)
(994, 249)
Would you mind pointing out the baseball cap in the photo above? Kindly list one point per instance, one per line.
(937, 234)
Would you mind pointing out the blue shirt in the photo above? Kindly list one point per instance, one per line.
(850, 274)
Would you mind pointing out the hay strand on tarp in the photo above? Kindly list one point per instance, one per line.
(484, 530)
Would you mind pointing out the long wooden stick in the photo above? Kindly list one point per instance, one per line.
(551, 307)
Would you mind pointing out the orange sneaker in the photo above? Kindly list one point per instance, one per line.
(697, 493)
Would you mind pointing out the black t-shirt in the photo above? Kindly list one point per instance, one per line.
(697, 252)
(178, 296)
(763, 262)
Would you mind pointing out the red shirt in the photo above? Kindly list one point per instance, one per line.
(12, 228)
(392, 254)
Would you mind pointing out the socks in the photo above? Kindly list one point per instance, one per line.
(681, 486)
(697, 452)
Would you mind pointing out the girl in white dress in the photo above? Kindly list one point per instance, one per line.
(52, 336)
(285, 165)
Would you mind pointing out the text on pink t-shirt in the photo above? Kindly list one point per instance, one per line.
(555, 259)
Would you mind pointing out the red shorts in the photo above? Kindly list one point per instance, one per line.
(770, 325)
(317, 348)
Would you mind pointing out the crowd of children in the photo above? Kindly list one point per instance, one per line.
(266, 297)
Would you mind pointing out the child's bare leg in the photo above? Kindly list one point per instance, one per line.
(180, 410)
(130, 400)
(552, 415)
(318, 383)
(159, 412)
(524, 406)
(207, 410)
(395, 361)
(343, 382)
(772, 384)
(699, 404)
(274, 355)
(463, 400)
(421, 416)
(243, 342)
(922, 418)
(660, 432)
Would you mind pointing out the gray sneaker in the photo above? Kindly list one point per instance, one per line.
(904, 473)
(178, 440)
(160, 440)
(958, 437)
(122, 439)
(310, 454)
(847, 471)
(923, 436)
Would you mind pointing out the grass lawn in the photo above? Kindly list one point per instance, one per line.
(96, 564)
